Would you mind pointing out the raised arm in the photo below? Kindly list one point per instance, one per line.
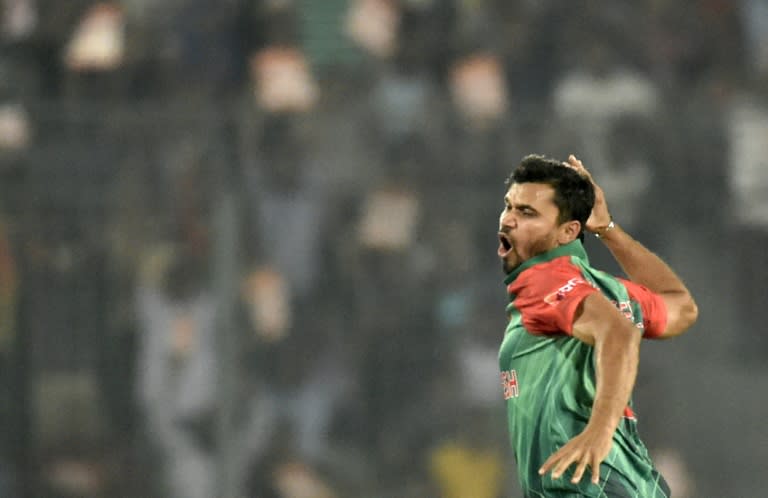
(617, 345)
(640, 264)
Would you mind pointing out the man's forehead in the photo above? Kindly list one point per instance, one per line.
(529, 193)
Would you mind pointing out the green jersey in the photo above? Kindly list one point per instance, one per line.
(548, 376)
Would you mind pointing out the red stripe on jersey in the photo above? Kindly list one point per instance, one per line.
(629, 413)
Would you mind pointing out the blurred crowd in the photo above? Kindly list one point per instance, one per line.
(247, 247)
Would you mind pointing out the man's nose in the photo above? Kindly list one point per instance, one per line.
(508, 219)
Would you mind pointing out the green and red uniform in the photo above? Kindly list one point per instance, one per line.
(548, 376)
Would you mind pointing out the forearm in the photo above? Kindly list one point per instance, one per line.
(617, 350)
(617, 357)
(640, 264)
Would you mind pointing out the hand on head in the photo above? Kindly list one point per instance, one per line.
(600, 217)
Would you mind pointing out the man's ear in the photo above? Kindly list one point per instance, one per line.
(568, 232)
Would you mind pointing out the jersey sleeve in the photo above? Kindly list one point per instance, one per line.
(549, 295)
(652, 306)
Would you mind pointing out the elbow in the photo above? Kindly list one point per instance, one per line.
(687, 315)
(683, 313)
(690, 312)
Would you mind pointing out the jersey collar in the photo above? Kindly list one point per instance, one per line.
(574, 248)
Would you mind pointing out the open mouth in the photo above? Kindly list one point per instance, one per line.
(505, 245)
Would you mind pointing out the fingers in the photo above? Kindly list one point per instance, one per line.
(580, 471)
(553, 458)
(573, 162)
(595, 470)
(563, 465)
(585, 450)
(576, 164)
(561, 460)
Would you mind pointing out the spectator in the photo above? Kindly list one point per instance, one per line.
(177, 369)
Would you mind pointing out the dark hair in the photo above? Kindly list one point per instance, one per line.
(574, 194)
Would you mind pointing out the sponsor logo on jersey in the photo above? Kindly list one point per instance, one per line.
(557, 296)
(626, 309)
(560, 294)
(509, 384)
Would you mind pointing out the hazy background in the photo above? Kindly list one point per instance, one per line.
(247, 248)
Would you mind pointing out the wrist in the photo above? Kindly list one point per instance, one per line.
(601, 421)
(603, 230)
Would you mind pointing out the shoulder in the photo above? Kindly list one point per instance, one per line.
(548, 294)
(559, 275)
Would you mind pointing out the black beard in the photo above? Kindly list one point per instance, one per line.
(538, 247)
(507, 269)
